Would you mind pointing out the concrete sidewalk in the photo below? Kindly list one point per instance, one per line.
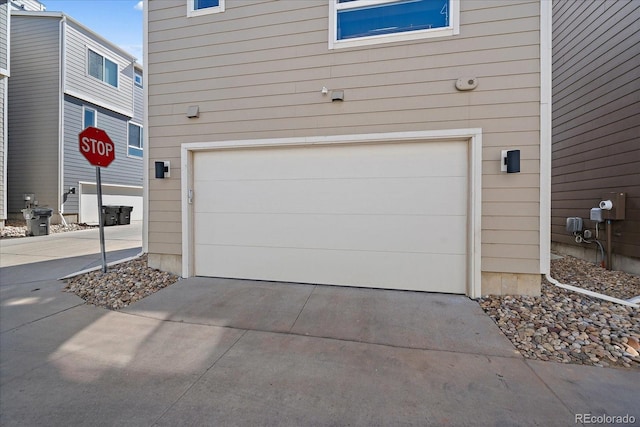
(232, 352)
(26, 250)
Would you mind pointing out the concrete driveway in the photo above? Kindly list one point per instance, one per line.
(232, 352)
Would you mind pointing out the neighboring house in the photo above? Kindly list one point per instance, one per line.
(5, 48)
(65, 78)
(326, 141)
(596, 123)
(29, 5)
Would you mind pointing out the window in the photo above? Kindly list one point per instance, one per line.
(134, 147)
(365, 22)
(103, 69)
(89, 117)
(137, 77)
(203, 7)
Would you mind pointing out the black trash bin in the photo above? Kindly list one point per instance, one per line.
(110, 215)
(124, 217)
(38, 221)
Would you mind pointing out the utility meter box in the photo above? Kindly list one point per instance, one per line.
(574, 225)
(596, 215)
(616, 212)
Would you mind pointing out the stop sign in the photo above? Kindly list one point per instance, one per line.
(97, 147)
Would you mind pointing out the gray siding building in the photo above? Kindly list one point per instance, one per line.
(596, 124)
(4, 76)
(69, 78)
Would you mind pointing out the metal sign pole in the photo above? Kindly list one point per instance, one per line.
(100, 219)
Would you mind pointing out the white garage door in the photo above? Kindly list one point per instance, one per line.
(111, 195)
(390, 215)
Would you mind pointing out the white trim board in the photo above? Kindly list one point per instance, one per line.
(473, 136)
(545, 135)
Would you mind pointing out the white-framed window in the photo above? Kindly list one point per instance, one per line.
(102, 68)
(204, 7)
(134, 140)
(365, 22)
(89, 117)
(137, 78)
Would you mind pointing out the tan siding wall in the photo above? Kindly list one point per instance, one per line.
(596, 105)
(256, 71)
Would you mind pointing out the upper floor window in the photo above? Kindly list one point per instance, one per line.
(203, 7)
(89, 117)
(365, 22)
(137, 77)
(103, 69)
(134, 146)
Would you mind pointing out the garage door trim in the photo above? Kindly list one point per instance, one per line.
(473, 136)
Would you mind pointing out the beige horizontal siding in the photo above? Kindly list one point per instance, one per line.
(165, 226)
(165, 205)
(513, 266)
(523, 237)
(530, 223)
(257, 69)
(514, 209)
(162, 248)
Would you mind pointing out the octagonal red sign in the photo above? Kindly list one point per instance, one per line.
(97, 147)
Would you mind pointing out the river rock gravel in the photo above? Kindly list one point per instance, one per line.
(568, 327)
(122, 284)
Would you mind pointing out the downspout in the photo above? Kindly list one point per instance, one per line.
(630, 303)
(63, 70)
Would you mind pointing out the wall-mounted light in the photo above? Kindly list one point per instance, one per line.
(510, 162)
(162, 169)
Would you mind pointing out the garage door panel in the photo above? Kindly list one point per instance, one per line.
(420, 272)
(426, 234)
(413, 196)
(345, 161)
(389, 215)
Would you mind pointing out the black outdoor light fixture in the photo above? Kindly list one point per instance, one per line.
(162, 170)
(510, 161)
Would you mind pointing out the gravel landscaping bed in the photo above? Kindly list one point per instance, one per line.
(589, 276)
(121, 285)
(14, 229)
(568, 327)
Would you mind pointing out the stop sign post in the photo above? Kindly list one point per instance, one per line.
(96, 146)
